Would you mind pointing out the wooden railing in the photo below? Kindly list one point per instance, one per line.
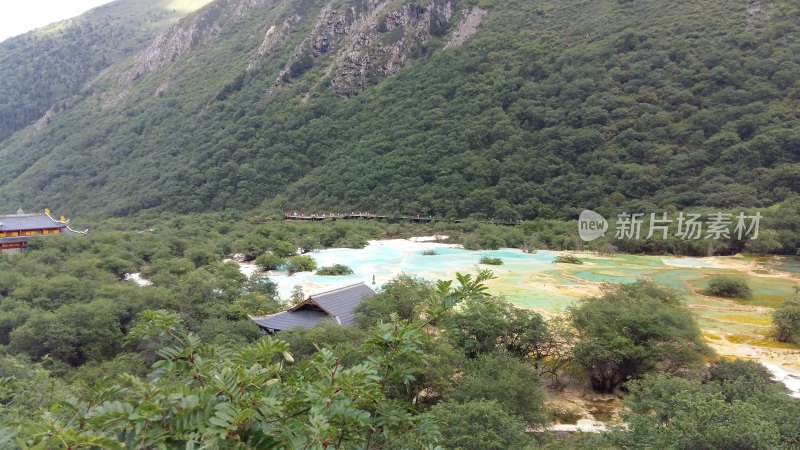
(296, 215)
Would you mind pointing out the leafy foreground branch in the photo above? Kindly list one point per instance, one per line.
(210, 396)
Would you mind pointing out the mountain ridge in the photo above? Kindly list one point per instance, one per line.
(547, 109)
(40, 71)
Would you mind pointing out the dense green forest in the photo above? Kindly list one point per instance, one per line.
(551, 107)
(89, 360)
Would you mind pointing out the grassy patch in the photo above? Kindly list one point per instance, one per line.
(491, 261)
(567, 259)
(711, 336)
(759, 341)
(566, 415)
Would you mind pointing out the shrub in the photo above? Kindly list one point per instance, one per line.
(679, 413)
(491, 261)
(512, 383)
(786, 320)
(725, 286)
(429, 252)
(481, 327)
(752, 372)
(567, 259)
(632, 330)
(402, 296)
(305, 342)
(201, 256)
(284, 249)
(479, 424)
(335, 270)
(300, 264)
(301, 65)
(269, 261)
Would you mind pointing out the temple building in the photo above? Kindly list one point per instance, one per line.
(337, 305)
(16, 229)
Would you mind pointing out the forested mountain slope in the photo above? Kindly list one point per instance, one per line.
(46, 70)
(503, 108)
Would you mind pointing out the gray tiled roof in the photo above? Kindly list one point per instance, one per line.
(28, 222)
(289, 319)
(338, 302)
(341, 302)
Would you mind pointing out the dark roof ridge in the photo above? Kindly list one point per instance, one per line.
(265, 317)
(309, 301)
(313, 299)
(337, 289)
(21, 215)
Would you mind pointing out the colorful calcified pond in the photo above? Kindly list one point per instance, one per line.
(733, 328)
(533, 281)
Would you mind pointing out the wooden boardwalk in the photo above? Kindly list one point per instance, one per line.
(418, 218)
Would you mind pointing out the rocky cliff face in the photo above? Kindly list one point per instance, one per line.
(381, 43)
(360, 44)
(195, 30)
(467, 27)
(176, 41)
(351, 44)
(274, 37)
(356, 43)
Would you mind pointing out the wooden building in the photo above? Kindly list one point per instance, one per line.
(16, 229)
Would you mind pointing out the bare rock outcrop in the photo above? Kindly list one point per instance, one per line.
(274, 37)
(360, 46)
(756, 12)
(467, 27)
(195, 30)
(385, 40)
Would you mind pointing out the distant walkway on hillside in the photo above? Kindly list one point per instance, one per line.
(295, 215)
